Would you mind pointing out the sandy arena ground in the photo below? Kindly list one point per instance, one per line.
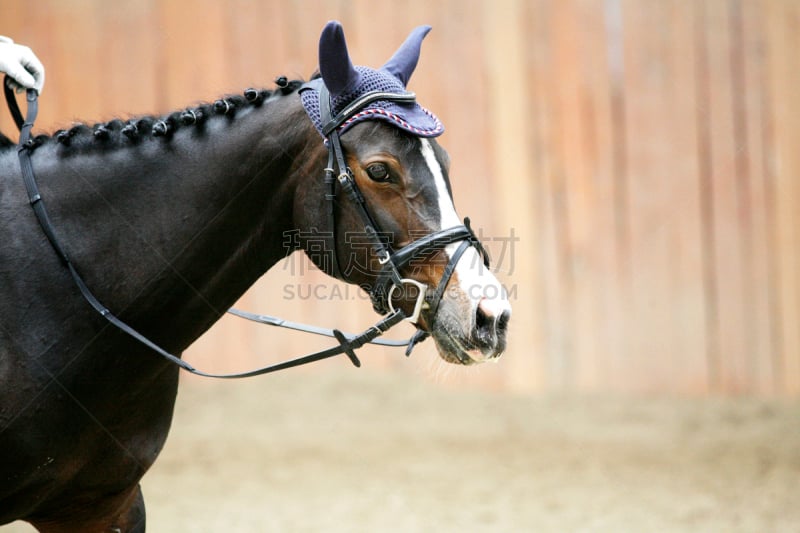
(354, 450)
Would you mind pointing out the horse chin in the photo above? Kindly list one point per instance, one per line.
(453, 351)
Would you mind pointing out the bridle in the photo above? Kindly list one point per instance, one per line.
(388, 281)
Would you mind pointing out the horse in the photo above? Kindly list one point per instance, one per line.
(169, 220)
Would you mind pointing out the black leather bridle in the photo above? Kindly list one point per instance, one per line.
(388, 280)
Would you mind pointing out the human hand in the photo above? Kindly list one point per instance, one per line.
(21, 64)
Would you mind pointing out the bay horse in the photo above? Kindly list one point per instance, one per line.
(169, 220)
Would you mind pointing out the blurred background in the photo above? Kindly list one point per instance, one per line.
(632, 166)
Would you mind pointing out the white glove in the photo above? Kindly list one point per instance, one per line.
(22, 65)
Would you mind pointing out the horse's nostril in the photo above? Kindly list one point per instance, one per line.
(483, 323)
(490, 328)
(487, 325)
(502, 322)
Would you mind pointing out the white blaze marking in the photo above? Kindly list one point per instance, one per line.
(474, 279)
(448, 216)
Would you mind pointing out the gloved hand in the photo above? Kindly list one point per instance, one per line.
(22, 65)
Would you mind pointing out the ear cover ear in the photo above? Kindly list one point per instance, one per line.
(404, 61)
(347, 83)
(335, 66)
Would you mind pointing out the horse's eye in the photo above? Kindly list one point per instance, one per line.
(378, 172)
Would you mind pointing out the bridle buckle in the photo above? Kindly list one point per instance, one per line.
(386, 257)
(421, 287)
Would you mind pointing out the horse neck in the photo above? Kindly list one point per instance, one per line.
(179, 228)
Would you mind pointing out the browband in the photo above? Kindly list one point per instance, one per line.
(362, 102)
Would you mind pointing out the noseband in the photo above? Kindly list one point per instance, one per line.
(388, 280)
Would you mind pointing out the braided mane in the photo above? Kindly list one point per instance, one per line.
(118, 132)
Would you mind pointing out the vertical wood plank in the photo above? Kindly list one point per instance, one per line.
(619, 196)
(748, 67)
(783, 18)
(728, 243)
(555, 304)
(127, 74)
(638, 99)
(538, 75)
(763, 166)
(706, 192)
(73, 27)
(572, 214)
(681, 205)
(252, 37)
(192, 52)
(595, 234)
(558, 279)
(646, 76)
(507, 111)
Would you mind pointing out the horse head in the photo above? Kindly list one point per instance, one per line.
(390, 209)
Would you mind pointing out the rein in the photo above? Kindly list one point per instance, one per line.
(389, 279)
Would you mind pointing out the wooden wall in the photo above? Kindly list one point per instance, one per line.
(643, 152)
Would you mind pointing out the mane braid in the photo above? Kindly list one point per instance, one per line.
(118, 133)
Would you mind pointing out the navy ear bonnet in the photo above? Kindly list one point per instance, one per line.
(346, 83)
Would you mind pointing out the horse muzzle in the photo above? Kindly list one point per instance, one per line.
(471, 323)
